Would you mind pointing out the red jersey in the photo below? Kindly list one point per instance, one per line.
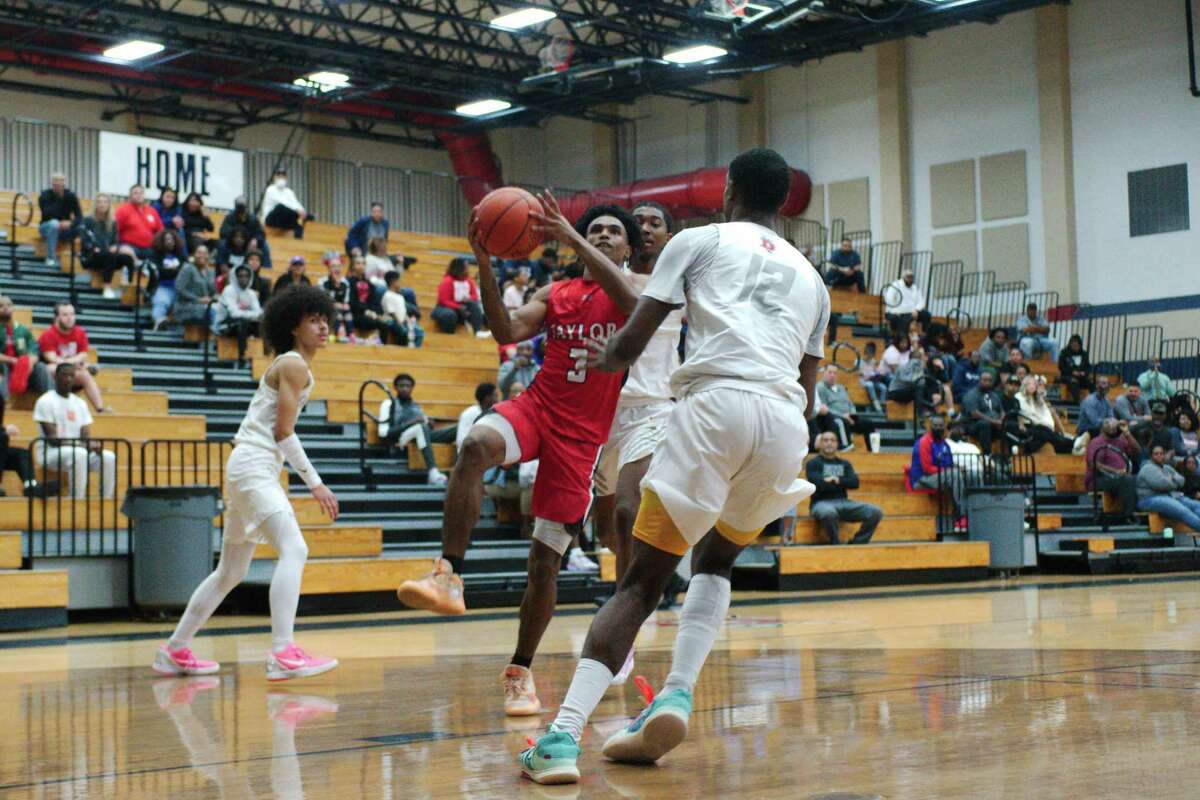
(66, 345)
(584, 399)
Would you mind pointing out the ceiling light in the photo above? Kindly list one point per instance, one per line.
(133, 50)
(324, 81)
(695, 54)
(523, 18)
(480, 108)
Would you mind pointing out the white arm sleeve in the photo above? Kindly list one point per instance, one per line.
(293, 451)
(385, 418)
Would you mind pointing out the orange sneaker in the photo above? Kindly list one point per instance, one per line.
(520, 695)
(441, 591)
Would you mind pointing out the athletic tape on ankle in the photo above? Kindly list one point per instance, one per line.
(293, 451)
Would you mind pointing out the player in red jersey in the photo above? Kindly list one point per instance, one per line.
(562, 419)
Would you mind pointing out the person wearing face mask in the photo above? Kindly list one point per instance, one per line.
(238, 311)
(933, 467)
(281, 208)
(256, 237)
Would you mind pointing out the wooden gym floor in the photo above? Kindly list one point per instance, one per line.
(1050, 688)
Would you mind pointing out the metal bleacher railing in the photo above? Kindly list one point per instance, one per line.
(1018, 472)
(365, 417)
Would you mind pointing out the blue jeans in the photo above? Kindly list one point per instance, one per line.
(876, 391)
(163, 299)
(1183, 509)
(50, 234)
(1032, 344)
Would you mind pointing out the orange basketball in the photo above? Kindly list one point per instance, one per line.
(505, 227)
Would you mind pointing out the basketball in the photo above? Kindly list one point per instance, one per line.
(505, 227)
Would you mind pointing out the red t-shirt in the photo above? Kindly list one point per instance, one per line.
(67, 344)
(453, 292)
(137, 226)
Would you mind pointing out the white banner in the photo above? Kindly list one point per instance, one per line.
(216, 173)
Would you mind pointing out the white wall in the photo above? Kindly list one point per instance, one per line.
(1131, 110)
(973, 92)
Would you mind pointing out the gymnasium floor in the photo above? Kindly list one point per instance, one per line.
(1041, 688)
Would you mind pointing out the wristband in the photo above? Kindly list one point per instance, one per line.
(293, 451)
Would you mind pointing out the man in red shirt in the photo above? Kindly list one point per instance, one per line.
(64, 342)
(562, 419)
(137, 223)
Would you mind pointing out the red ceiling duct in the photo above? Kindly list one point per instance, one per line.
(474, 163)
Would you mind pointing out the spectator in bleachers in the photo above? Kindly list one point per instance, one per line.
(1094, 409)
(1157, 431)
(137, 224)
(514, 293)
(61, 216)
(521, 368)
(831, 504)
(895, 356)
(98, 250)
(1185, 439)
(995, 349)
(1042, 424)
(256, 236)
(1074, 368)
(1013, 364)
(260, 284)
(17, 459)
(486, 396)
(932, 465)
(281, 208)
(197, 227)
(873, 378)
(1190, 470)
(338, 288)
(1033, 334)
(196, 290)
(909, 376)
(846, 268)
(458, 301)
(366, 311)
(238, 311)
(542, 268)
(1109, 459)
(401, 313)
(967, 373)
(66, 342)
(232, 252)
(1160, 490)
(170, 213)
(947, 340)
(983, 411)
(905, 302)
(21, 371)
(372, 226)
(164, 262)
(1155, 384)
(376, 264)
(941, 383)
(1014, 434)
(846, 421)
(293, 277)
(404, 421)
(64, 421)
(1131, 407)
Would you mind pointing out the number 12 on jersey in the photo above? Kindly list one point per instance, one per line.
(767, 283)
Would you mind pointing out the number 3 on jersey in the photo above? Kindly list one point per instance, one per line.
(766, 283)
(579, 374)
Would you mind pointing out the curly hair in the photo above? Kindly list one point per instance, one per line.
(633, 231)
(288, 309)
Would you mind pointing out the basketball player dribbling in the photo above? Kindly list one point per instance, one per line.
(295, 324)
(735, 442)
(562, 419)
(642, 411)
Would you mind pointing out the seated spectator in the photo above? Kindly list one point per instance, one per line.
(967, 373)
(281, 208)
(905, 302)
(338, 288)
(164, 263)
(938, 375)
(830, 503)
(17, 459)
(196, 291)
(66, 427)
(256, 237)
(61, 216)
(293, 277)
(520, 368)
(170, 213)
(846, 269)
(1110, 457)
(1185, 439)
(1190, 470)
(376, 264)
(486, 396)
(458, 301)
(965, 453)
(1160, 491)
(1094, 409)
(1014, 364)
(197, 227)
(897, 354)
(909, 378)
(98, 249)
(404, 421)
(947, 341)
(401, 313)
(1041, 423)
(844, 416)
(1131, 407)
(260, 284)
(1157, 431)
(932, 466)
(137, 224)
(238, 311)
(1014, 433)
(372, 226)
(995, 349)
(66, 342)
(366, 311)
(1074, 368)
(1033, 334)
(514, 293)
(232, 252)
(542, 268)
(21, 371)
(872, 377)
(983, 411)
(1155, 384)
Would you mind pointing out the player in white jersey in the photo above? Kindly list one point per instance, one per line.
(295, 324)
(734, 446)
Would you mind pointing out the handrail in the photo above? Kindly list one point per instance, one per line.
(363, 415)
(16, 271)
(138, 342)
(833, 356)
(203, 469)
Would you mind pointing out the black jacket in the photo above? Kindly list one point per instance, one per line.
(819, 468)
(60, 208)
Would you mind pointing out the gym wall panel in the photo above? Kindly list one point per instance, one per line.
(816, 206)
(952, 193)
(1006, 251)
(961, 246)
(1003, 186)
(851, 201)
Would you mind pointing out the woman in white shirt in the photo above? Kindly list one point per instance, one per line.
(897, 354)
(1038, 419)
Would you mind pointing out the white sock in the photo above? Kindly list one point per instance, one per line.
(591, 681)
(704, 609)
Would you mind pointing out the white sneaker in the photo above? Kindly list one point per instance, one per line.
(109, 293)
(483, 334)
(578, 562)
(626, 670)
(436, 478)
(50, 262)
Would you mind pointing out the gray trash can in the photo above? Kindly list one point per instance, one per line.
(997, 516)
(172, 541)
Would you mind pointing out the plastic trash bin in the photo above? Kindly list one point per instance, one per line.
(997, 516)
(172, 541)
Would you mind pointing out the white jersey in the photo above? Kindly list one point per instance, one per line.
(258, 426)
(649, 379)
(755, 308)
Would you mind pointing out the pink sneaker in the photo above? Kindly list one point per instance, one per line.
(181, 662)
(295, 663)
(294, 711)
(176, 692)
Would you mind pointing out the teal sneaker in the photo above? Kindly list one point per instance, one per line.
(657, 731)
(552, 759)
